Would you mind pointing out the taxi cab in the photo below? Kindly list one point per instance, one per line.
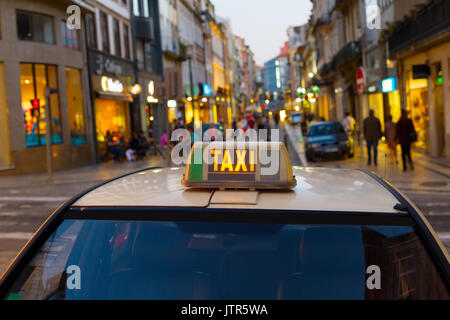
(234, 225)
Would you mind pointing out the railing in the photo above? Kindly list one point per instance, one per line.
(431, 19)
(348, 53)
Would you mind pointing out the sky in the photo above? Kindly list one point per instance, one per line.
(263, 23)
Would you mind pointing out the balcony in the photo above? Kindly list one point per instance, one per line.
(328, 68)
(144, 28)
(352, 51)
(429, 20)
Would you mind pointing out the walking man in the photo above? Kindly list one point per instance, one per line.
(372, 134)
(406, 134)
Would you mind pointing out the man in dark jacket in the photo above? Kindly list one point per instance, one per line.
(405, 134)
(372, 134)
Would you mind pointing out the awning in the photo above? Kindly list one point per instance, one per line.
(114, 96)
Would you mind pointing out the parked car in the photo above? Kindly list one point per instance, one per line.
(328, 139)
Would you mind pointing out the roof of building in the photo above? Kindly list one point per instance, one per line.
(318, 189)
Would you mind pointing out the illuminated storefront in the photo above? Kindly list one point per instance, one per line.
(417, 105)
(111, 81)
(5, 154)
(34, 78)
(112, 111)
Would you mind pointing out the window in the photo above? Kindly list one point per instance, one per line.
(126, 41)
(231, 261)
(34, 78)
(140, 54)
(148, 56)
(141, 8)
(116, 32)
(136, 8)
(91, 30)
(75, 106)
(70, 38)
(104, 31)
(34, 27)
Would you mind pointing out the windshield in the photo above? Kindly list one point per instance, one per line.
(205, 260)
(322, 130)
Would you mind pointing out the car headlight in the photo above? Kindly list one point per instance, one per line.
(315, 145)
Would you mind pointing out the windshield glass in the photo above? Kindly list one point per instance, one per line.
(193, 260)
(322, 130)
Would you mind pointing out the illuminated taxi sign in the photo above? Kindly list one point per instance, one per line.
(239, 165)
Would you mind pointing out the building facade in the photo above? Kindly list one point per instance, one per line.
(38, 50)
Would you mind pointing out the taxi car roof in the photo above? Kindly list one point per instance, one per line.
(318, 189)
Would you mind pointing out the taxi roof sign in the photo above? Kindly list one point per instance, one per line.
(239, 165)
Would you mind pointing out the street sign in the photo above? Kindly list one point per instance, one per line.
(360, 80)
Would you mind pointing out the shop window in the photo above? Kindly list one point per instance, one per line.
(34, 78)
(34, 27)
(104, 31)
(418, 108)
(70, 38)
(75, 106)
(90, 30)
(5, 152)
(116, 32)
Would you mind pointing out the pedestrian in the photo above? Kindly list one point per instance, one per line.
(234, 124)
(113, 145)
(212, 134)
(349, 124)
(276, 118)
(389, 133)
(133, 147)
(251, 122)
(372, 134)
(405, 134)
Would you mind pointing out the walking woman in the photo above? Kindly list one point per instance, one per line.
(406, 135)
(389, 133)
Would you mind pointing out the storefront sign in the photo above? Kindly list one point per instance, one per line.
(388, 85)
(111, 85)
(172, 103)
(206, 89)
(102, 65)
(151, 88)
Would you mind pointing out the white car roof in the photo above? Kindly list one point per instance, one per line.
(318, 189)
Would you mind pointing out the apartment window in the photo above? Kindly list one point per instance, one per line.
(34, 78)
(136, 8)
(141, 8)
(34, 27)
(140, 53)
(70, 38)
(116, 32)
(90, 30)
(148, 56)
(104, 31)
(126, 41)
